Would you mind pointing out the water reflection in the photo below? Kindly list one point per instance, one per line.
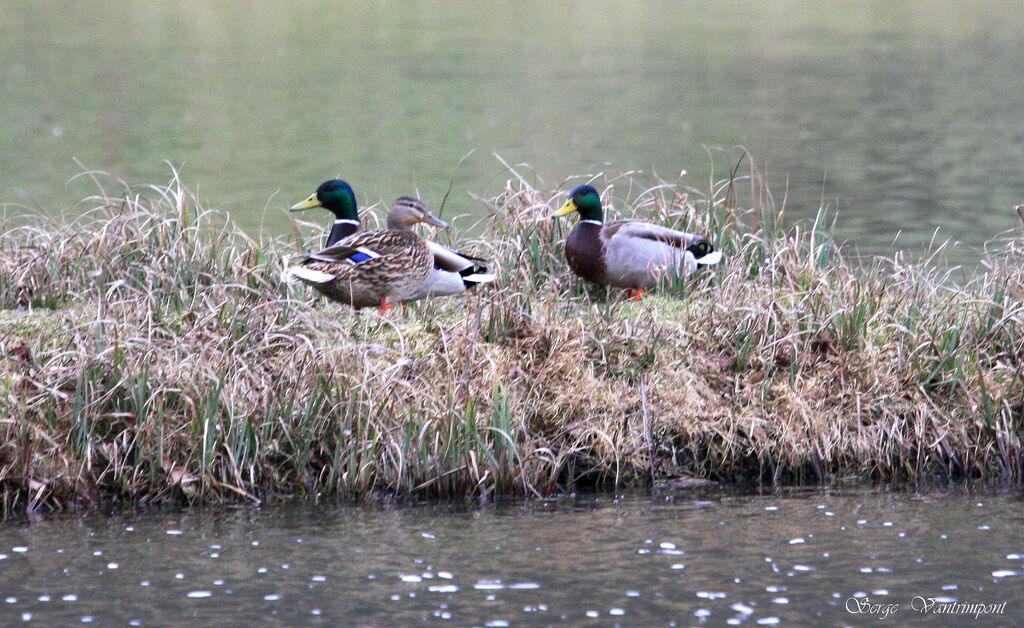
(667, 560)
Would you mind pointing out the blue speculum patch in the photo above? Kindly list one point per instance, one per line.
(359, 256)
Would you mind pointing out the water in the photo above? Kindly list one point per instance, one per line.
(796, 557)
(905, 115)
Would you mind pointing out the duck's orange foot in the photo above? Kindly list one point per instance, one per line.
(385, 307)
(634, 295)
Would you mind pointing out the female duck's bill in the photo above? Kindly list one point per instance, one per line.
(408, 211)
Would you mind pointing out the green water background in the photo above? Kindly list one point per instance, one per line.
(906, 116)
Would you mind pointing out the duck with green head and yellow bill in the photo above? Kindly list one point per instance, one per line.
(628, 254)
(337, 197)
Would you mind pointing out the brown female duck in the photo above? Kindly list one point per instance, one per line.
(369, 268)
(453, 272)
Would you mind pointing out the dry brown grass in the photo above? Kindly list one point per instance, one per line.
(150, 353)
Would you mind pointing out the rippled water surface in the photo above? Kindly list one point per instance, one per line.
(681, 559)
(906, 115)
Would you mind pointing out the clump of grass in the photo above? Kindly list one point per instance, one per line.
(150, 353)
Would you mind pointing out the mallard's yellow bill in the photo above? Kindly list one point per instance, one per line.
(306, 204)
(567, 209)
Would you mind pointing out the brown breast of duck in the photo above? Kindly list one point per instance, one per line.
(584, 251)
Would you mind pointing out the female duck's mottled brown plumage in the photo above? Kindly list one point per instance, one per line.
(453, 272)
(370, 268)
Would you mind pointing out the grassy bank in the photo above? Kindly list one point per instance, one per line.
(151, 353)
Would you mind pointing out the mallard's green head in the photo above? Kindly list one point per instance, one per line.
(585, 200)
(335, 196)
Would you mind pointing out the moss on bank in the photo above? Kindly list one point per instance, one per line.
(151, 353)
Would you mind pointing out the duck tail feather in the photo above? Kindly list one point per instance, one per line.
(308, 275)
(476, 274)
(289, 277)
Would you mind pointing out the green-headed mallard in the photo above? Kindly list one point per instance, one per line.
(453, 272)
(628, 254)
(370, 268)
(337, 197)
